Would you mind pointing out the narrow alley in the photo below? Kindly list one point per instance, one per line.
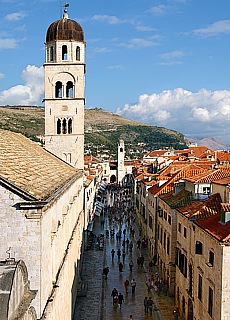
(119, 231)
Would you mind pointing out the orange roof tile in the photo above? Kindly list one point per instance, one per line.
(213, 226)
(208, 177)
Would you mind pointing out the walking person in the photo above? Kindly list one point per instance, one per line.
(106, 272)
(119, 254)
(112, 253)
(130, 317)
(131, 265)
(130, 246)
(123, 256)
(133, 285)
(176, 314)
(150, 306)
(114, 294)
(146, 305)
(142, 259)
(126, 285)
(120, 267)
(120, 299)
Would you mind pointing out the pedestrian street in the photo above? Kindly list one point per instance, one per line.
(98, 303)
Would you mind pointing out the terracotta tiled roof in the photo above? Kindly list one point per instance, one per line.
(213, 226)
(223, 156)
(224, 181)
(202, 208)
(155, 153)
(208, 177)
(31, 168)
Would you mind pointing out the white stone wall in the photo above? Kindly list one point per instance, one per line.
(22, 236)
(47, 245)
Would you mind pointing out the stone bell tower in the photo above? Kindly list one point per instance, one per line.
(64, 71)
(120, 160)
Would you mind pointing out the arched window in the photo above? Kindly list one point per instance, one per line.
(69, 126)
(64, 52)
(52, 53)
(64, 126)
(78, 53)
(121, 149)
(69, 89)
(58, 89)
(58, 126)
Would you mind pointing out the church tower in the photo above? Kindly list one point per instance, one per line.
(64, 70)
(120, 160)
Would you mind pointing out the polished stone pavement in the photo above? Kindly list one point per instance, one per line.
(97, 305)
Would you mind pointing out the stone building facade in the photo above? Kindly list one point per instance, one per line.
(42, 219)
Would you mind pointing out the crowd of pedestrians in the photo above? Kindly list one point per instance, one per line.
(120, 232)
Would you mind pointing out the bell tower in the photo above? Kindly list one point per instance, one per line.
(64, 71)
(120, 160)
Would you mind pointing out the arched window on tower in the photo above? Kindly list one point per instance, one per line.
(58, 126)
(69, 126)
(121, 149)
(78, 53)
(58, 89)
(69, 89)
(64, 52)
(51, 53)
(64, 126)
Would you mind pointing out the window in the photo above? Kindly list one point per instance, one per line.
(160, 210)
(150, 222)
(185, 232)
(169, 220)
(210, 301)
(161, 235)
(78, 53)
(58, 89)
(179, 227)
(190, 280)
(51, 53)
(211, 258)
(200, 287)
(64, 52)
(168, 245)
(164, 240)
(69, 89)
(206, 190)
(165, 215)
(64, 126)
(199, 247)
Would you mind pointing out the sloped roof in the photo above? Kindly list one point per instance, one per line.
(179, 199)
(31, 168)
(213, 226)
(202, 208)
(208, 177)
(223, 156)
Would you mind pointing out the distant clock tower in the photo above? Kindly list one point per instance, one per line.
(64, 70)
(120, 160)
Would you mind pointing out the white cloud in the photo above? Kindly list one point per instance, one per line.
(108, 19)
(2, 75)
(161, 9)
(179, 109)
(137, 43)
(15, 16)
(31, 93)
(8, 44)
(144, 28)
(115, 67)
(172, 55)
(214, 29)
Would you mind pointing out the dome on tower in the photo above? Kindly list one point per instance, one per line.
(65, 29)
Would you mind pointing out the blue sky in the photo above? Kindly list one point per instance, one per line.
(165, 62)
